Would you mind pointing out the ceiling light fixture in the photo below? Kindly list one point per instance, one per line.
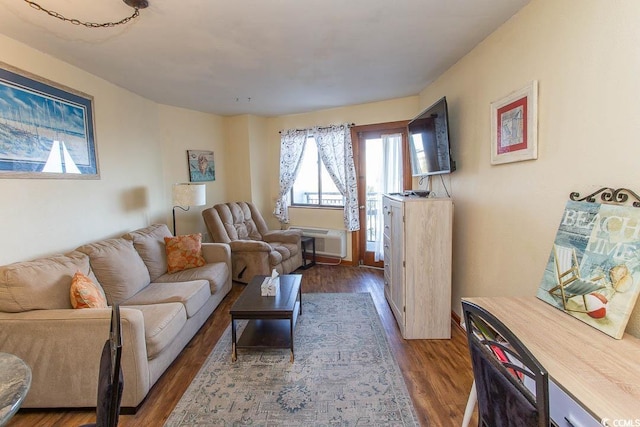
(136, 4)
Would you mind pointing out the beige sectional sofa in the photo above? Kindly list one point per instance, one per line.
(160, 314)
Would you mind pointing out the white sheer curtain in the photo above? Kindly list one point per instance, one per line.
(292, 144)
(391, 183)
(336, 152)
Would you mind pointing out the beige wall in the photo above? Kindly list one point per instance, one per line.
(141, 150)
(41, 216)
(260, 167)
(586, 58)
(182, 130)
(238, 158)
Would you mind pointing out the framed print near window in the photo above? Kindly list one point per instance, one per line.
(201, 166)
(514, 127)
(46, 130)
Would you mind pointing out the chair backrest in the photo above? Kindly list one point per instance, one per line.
(512, 386)
(110, 382)
(227, 222)
(566, 264)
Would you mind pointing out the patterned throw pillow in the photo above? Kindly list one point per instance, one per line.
(86, 294)
(184, 252)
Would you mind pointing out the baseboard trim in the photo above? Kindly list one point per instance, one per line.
(456, 320)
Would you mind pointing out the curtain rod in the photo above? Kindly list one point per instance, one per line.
(350, 125)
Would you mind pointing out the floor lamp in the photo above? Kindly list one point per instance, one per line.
(187, 195)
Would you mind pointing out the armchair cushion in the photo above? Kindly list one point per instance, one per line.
(238, 221)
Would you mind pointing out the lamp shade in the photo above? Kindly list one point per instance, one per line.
(189, 194)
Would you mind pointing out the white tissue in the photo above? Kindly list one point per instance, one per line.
(270, 285)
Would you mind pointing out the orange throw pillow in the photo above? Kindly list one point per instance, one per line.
(86, 294)
(184, 252)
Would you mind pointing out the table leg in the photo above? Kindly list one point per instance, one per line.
(291, 337)
(234, 355)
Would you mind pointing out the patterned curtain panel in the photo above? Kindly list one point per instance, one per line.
(336, 152)
(292, 144)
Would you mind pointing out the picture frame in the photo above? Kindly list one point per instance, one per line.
(47, 130)
(514, 126)
(201, 166)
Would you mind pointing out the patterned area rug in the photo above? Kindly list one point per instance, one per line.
(344, 374)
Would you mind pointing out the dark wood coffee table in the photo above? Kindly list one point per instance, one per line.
(271, 319)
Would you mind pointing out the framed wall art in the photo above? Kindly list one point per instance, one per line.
(46, 130)
(201, 166)
(514, 127)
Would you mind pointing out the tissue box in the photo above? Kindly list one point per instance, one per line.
(270, 287)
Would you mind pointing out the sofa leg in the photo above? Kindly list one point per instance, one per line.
(130, 410)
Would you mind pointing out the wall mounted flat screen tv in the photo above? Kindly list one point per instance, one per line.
(429, 143)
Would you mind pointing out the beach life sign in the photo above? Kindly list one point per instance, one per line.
(593, 271)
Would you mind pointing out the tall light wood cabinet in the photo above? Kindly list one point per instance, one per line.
(417, 264)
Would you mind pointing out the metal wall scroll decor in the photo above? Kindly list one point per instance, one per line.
(608, 195)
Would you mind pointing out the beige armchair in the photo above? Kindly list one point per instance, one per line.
(254, 248)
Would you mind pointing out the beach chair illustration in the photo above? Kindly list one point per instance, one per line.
(569, 282)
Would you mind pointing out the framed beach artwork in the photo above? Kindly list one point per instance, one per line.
(514, 127)
(46, 130)
(201, 166)
(593, 271)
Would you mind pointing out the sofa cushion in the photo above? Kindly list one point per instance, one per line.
(41, 284)
(149, 242)
(118, 267)
(193, 295)
(216, 273)
(184, 252)
(84, 293)
(162, 323)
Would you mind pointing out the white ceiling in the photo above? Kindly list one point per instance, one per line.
(263, 57)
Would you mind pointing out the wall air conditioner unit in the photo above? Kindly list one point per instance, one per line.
(328, 242)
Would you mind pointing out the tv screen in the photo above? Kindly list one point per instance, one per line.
(429, 141)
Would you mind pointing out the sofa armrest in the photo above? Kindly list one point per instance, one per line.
(249, 246)
(63, 348)
(284, 236)
(216, 252)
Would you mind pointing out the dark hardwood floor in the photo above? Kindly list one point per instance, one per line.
(437, 372)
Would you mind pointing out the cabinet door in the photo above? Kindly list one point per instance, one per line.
(396, 243)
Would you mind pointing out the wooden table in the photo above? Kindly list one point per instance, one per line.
(598, 372)
(271, 319)
(15, 380)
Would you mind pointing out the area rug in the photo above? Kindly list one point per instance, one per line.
(344, 374)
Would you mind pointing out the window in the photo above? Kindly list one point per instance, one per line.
(314, 186)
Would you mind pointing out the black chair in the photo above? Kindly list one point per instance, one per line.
(511, 385)
(110, 380)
